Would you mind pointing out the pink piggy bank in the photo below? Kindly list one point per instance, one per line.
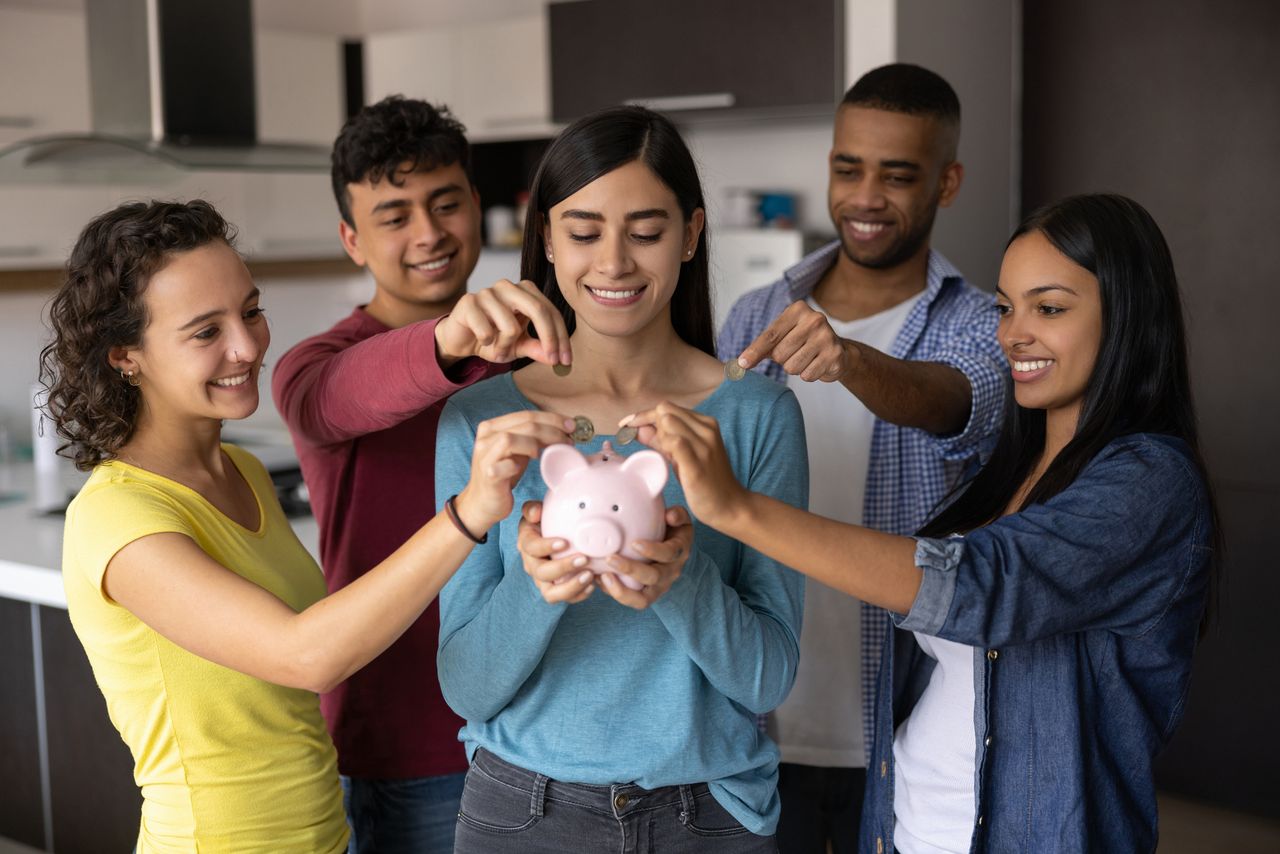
(602, 503)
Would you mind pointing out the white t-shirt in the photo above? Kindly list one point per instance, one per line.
(820, 724)
(935, 756)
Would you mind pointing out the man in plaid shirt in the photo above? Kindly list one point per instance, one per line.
(894, 359)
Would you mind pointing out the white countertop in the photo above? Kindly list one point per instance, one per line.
(31, 542)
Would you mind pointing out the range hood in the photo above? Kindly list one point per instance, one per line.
(171, 90)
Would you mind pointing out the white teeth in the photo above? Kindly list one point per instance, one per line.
(1033, 365)
(867, 227)
(432, 266)
(614, 294)
(230, 382)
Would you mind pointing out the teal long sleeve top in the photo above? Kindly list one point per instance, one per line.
(599, 693)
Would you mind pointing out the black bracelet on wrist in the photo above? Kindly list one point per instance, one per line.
(452, 512)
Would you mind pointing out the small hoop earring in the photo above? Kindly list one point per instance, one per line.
(131, 377)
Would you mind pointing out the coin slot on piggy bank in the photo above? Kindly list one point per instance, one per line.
(601, 504)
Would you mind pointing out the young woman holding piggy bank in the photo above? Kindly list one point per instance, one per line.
(600, 716)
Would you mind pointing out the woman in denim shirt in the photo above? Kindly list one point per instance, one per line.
(1047, 617)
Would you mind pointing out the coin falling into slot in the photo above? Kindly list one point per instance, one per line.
(583, 429)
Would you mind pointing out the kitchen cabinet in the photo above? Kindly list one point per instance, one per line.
(299, 85)
(708, 56)
(492, 75)
(65, 762)
(44, 63)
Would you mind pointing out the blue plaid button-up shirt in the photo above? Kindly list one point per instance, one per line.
(910, 471)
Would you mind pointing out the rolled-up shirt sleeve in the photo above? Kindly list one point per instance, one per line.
(1112, 551)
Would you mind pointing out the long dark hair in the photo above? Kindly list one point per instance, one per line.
(100, 306)
(1139, 384)
(593, 146)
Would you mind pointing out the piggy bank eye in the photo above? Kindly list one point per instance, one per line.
(615, 508)
(582, 505)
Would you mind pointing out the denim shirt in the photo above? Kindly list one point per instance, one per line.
(1084, 612)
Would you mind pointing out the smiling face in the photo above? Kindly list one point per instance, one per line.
(1050, 325)
(617, 245)
(202, 349)
(420, 240)
(889, 174)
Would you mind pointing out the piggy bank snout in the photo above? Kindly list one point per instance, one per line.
(597, 537)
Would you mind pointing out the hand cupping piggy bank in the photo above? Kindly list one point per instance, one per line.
(603, 503)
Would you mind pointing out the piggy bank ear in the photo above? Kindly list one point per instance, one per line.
(558, 461)
(650, 467)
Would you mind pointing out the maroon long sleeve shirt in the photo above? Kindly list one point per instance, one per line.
(362, 402)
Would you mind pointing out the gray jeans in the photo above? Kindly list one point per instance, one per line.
(506, 808)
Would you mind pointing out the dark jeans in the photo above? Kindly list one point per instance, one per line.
(415, 816)
(819, 805)
(506, 808)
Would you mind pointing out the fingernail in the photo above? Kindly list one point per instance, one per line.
(579, 561)
(558, 544)
(627, 420)
(742, 361)
(566, 357)
(569, 426)
(583, 578)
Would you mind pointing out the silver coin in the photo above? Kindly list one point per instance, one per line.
(733, 370)
(562, 370)
(583, 429)
(627, 435)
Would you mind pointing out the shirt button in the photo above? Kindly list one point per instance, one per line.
(979, 821)
(621, 801)
(879, 845)
(884, 767)
(987, 741)
(993, 654)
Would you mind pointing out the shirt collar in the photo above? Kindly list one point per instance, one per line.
(805, 275)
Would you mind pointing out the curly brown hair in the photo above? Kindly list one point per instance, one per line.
(100, 306)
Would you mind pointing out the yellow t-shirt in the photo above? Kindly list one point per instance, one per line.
(226, 762)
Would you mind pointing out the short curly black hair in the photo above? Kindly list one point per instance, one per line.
(100, 306)
(382, 138)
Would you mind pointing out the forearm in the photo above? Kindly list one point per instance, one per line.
(746, 644)
(928, 395)
(492, 637)
(346, 630)
(872, 566)
(327, 396)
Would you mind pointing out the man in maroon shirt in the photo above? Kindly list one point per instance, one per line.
(362, 402)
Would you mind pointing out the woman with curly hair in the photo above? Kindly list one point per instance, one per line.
(203, 617)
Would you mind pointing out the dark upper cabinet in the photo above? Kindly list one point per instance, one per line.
(697, 55)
